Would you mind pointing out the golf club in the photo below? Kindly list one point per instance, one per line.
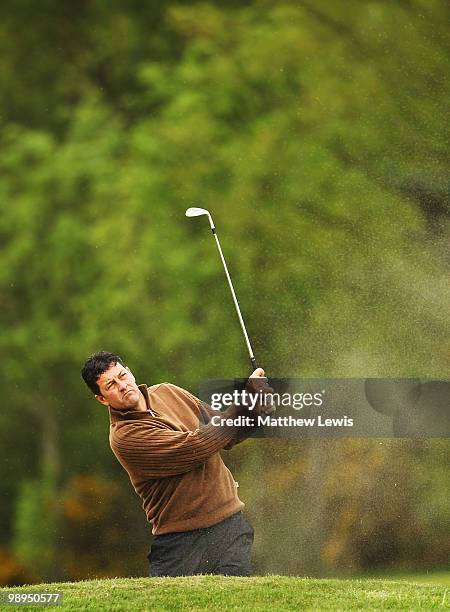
(197, 212)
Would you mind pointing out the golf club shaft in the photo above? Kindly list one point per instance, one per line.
(236, 303)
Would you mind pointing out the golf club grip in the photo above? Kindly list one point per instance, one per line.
(254, 364)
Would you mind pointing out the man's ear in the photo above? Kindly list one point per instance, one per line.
(102, 400)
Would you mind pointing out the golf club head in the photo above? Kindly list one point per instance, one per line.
(197, 212)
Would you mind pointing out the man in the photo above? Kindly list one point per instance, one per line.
(163, 437)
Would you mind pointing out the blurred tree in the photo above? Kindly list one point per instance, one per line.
(52, 55)
(103, 535)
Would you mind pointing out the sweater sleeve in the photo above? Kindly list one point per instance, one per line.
(155, 452)
(205, 412)
(205, 415)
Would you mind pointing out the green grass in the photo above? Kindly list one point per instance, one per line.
(433, 577)
(229, 593)
(442, 578)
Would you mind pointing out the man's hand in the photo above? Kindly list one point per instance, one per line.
(258, 373)
(256, 400)
(257, 385)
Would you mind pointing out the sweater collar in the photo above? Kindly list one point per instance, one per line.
(129, 415)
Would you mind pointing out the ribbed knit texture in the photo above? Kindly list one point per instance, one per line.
(173, 460)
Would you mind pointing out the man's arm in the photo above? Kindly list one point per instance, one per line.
(155, 451)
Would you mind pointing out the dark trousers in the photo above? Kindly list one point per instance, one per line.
(224, 548)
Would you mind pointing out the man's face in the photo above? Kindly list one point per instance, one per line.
(118, 388)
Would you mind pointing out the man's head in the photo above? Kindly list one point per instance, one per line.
(111, 381)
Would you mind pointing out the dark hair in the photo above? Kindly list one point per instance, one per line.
(95, 366)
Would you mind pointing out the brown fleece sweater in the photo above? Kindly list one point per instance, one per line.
(173, 460)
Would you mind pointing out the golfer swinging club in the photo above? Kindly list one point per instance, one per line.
(174, 465)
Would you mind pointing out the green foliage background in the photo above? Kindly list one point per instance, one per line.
(317, 134)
